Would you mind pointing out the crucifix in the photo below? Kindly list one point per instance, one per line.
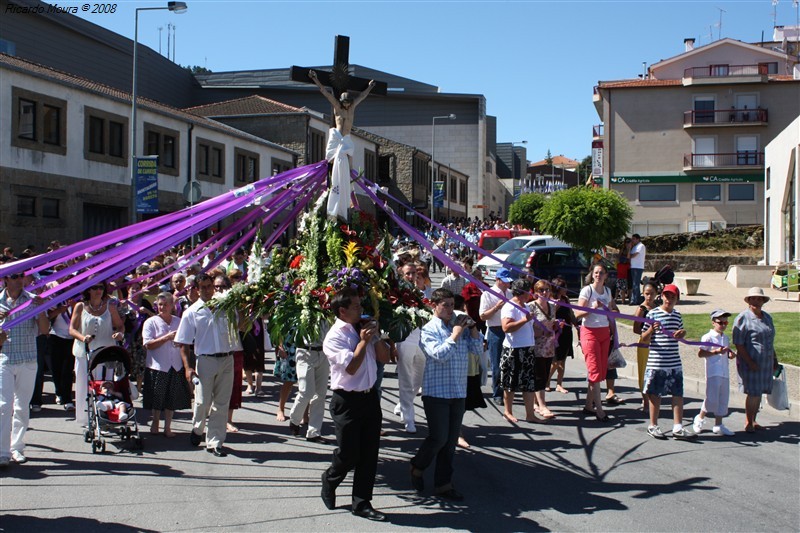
(340, 146)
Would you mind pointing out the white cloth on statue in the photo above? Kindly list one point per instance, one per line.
(339, 147)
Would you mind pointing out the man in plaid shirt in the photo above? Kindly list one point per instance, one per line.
(446, 341)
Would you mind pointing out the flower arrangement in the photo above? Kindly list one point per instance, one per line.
(292, 289)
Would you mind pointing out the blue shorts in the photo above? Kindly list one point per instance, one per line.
(663, 382)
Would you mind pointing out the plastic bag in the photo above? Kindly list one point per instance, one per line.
(616, 360)
(779, 397)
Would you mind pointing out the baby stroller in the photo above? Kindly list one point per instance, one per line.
(664, 276)
(111, 364)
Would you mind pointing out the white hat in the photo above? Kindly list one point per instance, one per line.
(755, 291)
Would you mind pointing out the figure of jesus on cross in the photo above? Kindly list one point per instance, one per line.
(340, 146)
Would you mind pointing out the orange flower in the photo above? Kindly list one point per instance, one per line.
(296, 262)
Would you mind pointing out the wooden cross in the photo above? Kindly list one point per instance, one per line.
(339, 78)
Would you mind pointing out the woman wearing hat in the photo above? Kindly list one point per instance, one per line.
(754, 337)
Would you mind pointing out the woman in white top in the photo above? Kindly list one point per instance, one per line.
(95, 324)
(596, 337)
(517, 359)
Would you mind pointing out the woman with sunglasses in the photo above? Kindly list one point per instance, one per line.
(564, 340)
(95, 323)
(544, 347)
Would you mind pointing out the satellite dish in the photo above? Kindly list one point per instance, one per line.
(192, 192)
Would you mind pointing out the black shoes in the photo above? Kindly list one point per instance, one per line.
(417, 481)
(319, 439)
(328, 493)
(451, 494)
(366, 511)
(217, 451)
(294, 429)
(194, 438)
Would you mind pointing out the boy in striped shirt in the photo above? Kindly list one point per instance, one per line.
(664, 373)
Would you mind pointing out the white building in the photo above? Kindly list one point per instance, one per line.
(782, 161)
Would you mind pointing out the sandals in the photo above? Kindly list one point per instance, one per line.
(615, 400)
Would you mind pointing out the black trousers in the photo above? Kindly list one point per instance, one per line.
(63, 365)
(444, 417)
(357, 419)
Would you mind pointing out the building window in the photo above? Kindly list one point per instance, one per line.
(38, 121)
(247, 164)
(96, 135)
(657, 193)
(104, 138)
(210, 160)
(51, 125)
(163, 142)
(370, 165)
(707, 192)
(317, 146)
(279, 166)
(741, 192)
(768, 178)
(51, 208)
(27, 120)
(453, 189)
(26, 206)
(463, 195)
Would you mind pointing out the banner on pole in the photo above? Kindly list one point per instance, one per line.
(438, 194)
(517, 192)
(147, 184)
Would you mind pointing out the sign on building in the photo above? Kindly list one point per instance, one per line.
(146, 184)
(597, 159)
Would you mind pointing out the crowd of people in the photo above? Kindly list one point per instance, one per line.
(520, 332)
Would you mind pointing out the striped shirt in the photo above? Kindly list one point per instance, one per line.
(20, 347)
(664, 354)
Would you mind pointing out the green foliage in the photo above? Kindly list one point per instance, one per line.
(549, 157)
(197, 69)
(725, 241)
(524, 210)
(587, 218)
(584, 168)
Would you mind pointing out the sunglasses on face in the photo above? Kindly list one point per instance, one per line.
(15, 276)
(543, 290)
(96, 288)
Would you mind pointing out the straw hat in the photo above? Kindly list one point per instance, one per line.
(755, 291)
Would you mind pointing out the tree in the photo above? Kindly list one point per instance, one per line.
(196, 69)
(586, 218)
(584, 169)
(549, 158)
(524, 210)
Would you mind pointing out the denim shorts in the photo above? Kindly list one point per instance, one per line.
(663, 382)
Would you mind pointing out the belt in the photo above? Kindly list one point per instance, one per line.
(313, 348)
(221, 354)
(367, 391)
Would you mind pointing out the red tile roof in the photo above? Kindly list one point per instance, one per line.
(638, 83)
(558, 161)
(249, 105)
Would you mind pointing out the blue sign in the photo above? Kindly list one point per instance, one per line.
(438, 194)
(517, 192)
(146, 184)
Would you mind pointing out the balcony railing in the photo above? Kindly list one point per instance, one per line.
(729, 116)
(597, 131)
(722, 71)
(744, 158)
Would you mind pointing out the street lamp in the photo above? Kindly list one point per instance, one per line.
(451, 116)
(175, 7)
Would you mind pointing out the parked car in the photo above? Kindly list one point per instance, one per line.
(491, 239)
(490, 265)
(547, 262)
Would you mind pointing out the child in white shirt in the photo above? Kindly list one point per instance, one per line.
(717, 374)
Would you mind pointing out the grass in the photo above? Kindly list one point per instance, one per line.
(787, 334)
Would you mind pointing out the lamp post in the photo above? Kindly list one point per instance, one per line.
(451, 116)
(175, 7)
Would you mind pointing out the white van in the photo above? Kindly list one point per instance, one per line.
(490, 265)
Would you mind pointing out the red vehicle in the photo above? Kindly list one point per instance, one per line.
(490, 239)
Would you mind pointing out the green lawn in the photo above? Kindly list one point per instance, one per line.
(787, 333)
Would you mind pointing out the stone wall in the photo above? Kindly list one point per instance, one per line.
(695, 262)
(749, 236)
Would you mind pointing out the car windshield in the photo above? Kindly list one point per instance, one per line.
(511, 245)
(518, 258)
(490, 244)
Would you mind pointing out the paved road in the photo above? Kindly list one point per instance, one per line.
(572, 474)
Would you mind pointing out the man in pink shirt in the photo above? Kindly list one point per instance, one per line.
(353, 347)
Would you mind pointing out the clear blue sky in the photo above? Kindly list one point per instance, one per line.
(535, 61)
